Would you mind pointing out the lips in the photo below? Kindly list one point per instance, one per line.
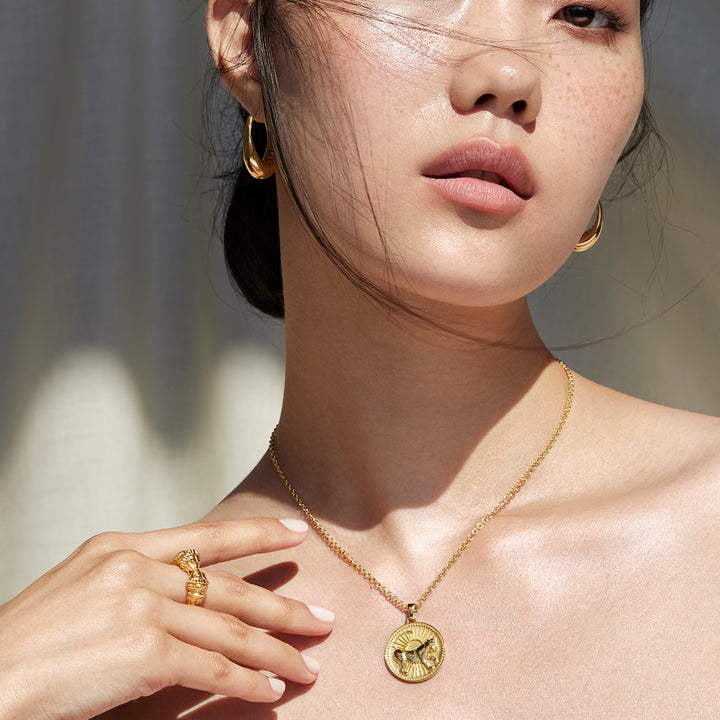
(483, 175)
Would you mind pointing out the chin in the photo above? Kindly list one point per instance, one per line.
(463, 288)
(476, 278)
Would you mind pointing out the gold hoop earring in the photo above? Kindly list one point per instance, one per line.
(591, 236)
(261, 168)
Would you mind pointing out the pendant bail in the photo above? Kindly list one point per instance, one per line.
(411, 609)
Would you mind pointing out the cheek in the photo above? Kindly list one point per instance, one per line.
(594, 111)
(347, 114)
(599, 108)
(362, 122)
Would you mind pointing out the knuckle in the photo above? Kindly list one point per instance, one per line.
(153, 644)
(220, 668)
(121, 570)
(266, 529)
(103, 544)
(237, 628)
(124, 563)
(213, 534)
(288, 609)
(272, 529)
(142, 603)
(234, 586)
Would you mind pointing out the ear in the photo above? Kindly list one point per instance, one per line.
(231, 44)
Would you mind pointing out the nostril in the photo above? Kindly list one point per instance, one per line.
(519, 107)
(484, 99)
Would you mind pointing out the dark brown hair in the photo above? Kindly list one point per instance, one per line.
(250, 234)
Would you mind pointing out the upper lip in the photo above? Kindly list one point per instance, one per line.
(482, 155)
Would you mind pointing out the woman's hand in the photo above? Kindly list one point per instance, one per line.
(111, 624)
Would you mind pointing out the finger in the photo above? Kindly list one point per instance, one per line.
(266, 609)
(239, 642)
(216, 541)
(227, 593)
(213, 672)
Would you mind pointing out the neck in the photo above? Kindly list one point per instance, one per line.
(383, 414)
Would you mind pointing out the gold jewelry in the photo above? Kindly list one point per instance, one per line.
(261, 168)
(197, 584)
(416, 650)
(591, 235)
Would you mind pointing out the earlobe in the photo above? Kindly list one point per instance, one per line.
(231, 43)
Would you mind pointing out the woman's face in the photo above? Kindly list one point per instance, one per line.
(479, 150)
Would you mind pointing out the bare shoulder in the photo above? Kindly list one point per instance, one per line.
(666, 459)
(670, 434)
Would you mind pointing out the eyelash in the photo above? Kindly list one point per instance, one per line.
(616, 20)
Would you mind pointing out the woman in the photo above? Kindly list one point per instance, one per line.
(439, 162)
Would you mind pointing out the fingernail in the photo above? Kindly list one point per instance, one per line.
(311, 663)
(322, 613)
(296, 526)
(277, 685)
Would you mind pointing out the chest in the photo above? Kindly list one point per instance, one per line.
(532, 627)
(639, 637)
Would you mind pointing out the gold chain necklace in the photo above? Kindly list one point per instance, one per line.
(416, 650)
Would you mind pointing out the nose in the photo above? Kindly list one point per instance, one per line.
(502, 82)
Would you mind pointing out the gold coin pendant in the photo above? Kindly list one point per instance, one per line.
(415, 652)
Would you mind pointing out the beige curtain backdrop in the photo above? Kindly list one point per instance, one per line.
(136, 390)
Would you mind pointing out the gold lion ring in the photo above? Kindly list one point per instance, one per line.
(197, 584)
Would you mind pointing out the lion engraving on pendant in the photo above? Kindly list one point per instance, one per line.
(417, 653)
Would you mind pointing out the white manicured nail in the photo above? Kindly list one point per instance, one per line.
(277, 685)
(322, 613)
(296, 526)
(311, 663)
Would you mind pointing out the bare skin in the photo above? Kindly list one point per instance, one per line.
(110, 624)
(593, 594)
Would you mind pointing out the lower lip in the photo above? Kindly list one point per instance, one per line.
(478, 194)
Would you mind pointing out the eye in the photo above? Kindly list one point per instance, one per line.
(585, 17)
